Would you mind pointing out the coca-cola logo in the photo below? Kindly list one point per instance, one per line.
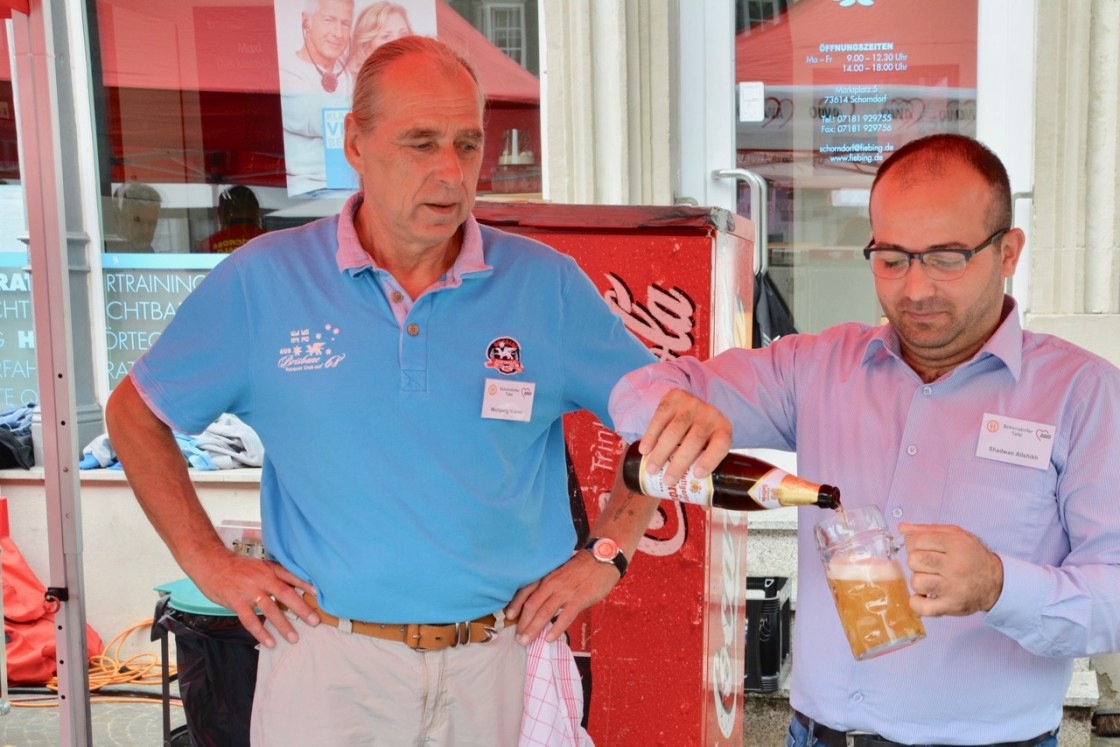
(665, 321)
(726, 681)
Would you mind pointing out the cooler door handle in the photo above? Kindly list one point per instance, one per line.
(757, 185)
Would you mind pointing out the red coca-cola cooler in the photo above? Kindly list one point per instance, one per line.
(663, 656)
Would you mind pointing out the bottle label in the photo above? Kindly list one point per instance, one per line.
(779, 488)
(689, 489)
(767, 492)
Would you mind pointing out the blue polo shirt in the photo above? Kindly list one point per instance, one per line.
(382, 484)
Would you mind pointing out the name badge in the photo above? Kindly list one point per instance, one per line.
(1015, 441)
(508, 400)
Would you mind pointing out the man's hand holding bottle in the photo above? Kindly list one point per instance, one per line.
(685, 431)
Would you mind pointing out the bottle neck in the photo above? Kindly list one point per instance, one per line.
(795, 491)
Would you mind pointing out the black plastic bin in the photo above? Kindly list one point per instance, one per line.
(768, 632)
(216, 662)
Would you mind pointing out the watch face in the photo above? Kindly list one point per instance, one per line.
(605, 549)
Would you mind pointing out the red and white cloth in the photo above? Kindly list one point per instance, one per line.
(553, 697)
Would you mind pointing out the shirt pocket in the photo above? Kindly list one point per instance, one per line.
(1010, 507)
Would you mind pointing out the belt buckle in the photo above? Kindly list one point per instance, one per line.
(463, 634)
(412, 637)
(851, 737)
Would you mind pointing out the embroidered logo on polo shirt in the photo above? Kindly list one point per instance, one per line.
(311, 351)
(504, 355)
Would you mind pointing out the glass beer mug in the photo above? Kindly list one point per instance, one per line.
(867, 582)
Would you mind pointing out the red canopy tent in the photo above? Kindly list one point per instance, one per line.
(201, 46)
(6, 8)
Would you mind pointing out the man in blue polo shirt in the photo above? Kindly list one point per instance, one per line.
(407, 370)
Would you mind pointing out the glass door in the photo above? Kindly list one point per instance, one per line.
(824, 91)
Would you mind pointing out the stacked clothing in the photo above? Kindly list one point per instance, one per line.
(227, 443)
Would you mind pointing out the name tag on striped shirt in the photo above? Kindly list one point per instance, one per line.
(1015, 441)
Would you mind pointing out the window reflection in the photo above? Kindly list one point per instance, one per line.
(239, 220)
(137, 207)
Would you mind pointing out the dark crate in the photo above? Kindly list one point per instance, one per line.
(768, 632)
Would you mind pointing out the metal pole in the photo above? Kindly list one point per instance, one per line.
(34, 77)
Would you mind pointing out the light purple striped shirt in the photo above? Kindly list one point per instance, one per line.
(860, 418)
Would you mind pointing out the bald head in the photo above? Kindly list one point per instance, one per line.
(935, 156)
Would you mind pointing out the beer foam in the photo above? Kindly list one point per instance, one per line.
(843, 568)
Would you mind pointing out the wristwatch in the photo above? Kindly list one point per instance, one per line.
(606, 550)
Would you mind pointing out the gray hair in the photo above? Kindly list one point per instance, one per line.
(367, 94)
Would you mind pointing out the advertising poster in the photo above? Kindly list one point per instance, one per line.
(321, 45)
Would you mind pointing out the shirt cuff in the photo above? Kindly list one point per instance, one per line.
(633, 401)
(1017, 612)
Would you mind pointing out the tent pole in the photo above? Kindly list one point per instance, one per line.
(35, 79)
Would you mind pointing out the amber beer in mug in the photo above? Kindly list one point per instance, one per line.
(867, 582)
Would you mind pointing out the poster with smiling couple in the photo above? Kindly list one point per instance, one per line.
(321, 45)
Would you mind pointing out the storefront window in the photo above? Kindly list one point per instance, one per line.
(222, 120)
(18, 372)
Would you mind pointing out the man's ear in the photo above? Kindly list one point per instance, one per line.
(351, 144)
(1012, 248)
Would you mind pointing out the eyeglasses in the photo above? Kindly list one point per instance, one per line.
(938, 264)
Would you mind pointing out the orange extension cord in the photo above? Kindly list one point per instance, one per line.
(108, 669)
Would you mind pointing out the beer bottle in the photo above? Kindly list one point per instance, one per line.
(739, 483)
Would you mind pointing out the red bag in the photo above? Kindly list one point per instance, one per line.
(29, 628)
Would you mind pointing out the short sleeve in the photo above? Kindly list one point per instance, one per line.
(598, 350)
(199, 367)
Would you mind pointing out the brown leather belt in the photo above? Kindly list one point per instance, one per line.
(833, 738)
(415, 636)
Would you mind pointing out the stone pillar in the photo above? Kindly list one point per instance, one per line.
(1075, 287)
(606, 103)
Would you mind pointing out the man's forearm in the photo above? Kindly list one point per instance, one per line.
(157, 473)
(625, 517)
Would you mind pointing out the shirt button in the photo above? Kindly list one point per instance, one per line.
(858, 697)
(927, 390)
(413, 329)
(396, 296)
(911, 449)
(897, 513)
